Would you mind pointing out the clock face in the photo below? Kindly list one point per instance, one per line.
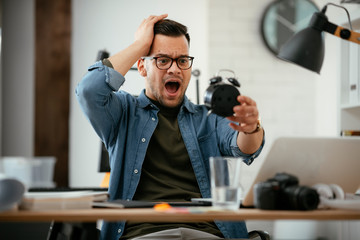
(282, 19)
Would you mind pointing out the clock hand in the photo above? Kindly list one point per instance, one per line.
(300, 23)
(286, 23)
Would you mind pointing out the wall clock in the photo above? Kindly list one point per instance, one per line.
(282, 19)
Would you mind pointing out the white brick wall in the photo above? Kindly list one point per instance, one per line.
(284, 93)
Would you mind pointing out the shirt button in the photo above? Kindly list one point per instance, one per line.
(143, 139)
(136, 171)
(119, 230)
(153, 119)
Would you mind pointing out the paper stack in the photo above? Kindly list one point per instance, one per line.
(61, 200)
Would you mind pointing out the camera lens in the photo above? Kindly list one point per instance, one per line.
(302, 198)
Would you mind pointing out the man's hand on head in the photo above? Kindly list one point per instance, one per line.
(126, 58)
(145, 32)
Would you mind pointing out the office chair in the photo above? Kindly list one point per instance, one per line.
(73, 231)
(259, 233)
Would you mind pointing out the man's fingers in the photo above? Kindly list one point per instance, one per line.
(242, 119)
(155, 18)
(246, 100)
(245, 111)
(162, 16)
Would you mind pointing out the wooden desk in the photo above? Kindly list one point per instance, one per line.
(92, 215)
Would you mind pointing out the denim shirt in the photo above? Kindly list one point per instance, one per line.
(125, 124)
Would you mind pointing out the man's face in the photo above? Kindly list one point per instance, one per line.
(166, 86)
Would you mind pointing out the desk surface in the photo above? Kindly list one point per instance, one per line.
(91, 215)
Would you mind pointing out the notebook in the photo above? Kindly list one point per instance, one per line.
(312, 160)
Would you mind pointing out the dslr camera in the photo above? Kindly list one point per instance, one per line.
(284, 193)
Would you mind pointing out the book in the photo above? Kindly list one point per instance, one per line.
(61, 200)
(350, 133)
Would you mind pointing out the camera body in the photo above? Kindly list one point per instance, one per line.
(284, 193)
(220, 97)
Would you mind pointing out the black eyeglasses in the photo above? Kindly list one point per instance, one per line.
(164, 63)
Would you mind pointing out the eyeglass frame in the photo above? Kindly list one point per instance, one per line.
(172, 61)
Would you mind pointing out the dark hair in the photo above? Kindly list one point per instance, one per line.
(171, 28)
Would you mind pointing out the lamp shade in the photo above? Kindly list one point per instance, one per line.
(305, 48)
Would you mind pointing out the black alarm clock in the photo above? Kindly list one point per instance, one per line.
(220, 97)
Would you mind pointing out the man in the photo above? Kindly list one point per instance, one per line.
(160, 143)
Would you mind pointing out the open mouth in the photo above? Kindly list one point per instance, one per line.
(172, 86)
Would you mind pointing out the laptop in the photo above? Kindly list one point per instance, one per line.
(312, 160)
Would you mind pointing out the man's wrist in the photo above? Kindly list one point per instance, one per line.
(257, 129)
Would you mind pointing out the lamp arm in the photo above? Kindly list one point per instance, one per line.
(342, 32)
(338, 31)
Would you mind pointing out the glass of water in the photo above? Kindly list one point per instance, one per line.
(226, 188)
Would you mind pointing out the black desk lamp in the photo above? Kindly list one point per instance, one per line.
(306, 48)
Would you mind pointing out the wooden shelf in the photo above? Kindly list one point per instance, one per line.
(350, 106)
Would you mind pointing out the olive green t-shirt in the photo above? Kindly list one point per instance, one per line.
(167, 175)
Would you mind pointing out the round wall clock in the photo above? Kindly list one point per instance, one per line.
(282, 19)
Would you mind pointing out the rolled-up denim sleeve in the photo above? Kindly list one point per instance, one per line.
(96, 96)
(247, 158)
